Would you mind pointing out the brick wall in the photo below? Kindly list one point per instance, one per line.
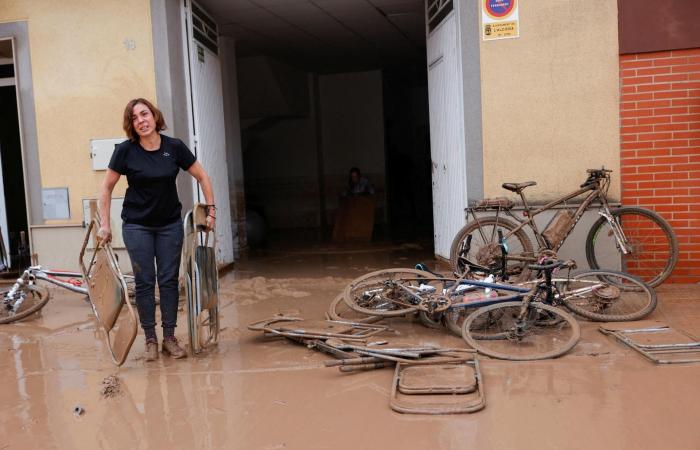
(660, 139)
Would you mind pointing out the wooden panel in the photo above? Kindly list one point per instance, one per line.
(653, 25)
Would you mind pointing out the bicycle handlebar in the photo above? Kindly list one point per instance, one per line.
(599, 171)
(594, 175)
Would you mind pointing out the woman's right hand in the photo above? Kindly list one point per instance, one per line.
(104, 235)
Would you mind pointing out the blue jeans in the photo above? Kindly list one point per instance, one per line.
(150, 248)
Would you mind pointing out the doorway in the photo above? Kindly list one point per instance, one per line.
(321, 88)
(13, 205)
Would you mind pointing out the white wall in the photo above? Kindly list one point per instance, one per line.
(234, 149)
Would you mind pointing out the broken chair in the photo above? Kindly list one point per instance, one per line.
(444, 388)
(294, 327)
(656, 341)
(201, 279)
(108, 294)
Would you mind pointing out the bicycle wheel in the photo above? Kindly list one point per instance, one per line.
(208, 327)
(339, 310)
(607, 296)
(484, 249)
(388, 293)
(652, 245)
(36, 298)
(454, 317)
(499, 331)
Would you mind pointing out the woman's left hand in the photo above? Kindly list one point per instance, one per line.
(211, 223)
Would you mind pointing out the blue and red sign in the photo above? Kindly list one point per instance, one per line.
(499, 9)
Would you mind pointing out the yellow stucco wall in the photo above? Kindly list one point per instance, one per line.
(89, 58)
(550, 98)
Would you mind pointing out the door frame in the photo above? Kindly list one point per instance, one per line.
(187, 37)
(18, 34)
(4, 229)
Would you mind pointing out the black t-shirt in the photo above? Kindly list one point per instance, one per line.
(151, 198)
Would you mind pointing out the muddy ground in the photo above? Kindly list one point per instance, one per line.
(252, 393)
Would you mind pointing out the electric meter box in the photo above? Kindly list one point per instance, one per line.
(101, 152)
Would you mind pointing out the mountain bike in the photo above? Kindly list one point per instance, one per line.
(496, 245)
(516, 322)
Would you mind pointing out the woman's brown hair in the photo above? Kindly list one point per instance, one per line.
(129, 117)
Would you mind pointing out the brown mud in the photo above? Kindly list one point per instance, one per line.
(255, 393)
(111, 387)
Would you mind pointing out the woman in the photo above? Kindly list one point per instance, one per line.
(152, 228)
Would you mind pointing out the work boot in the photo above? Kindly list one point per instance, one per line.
(171, 347)
(151, 350)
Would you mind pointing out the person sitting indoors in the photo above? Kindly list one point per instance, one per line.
(358, 184)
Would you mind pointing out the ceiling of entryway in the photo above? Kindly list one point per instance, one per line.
(325, 35)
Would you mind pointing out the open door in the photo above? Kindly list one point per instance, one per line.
(206, 110)
(446, 134)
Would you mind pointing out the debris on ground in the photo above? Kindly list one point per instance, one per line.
(111, 387)
(78, 410)
(316, 329)
(448, 388)
(348, 342)
(655, 341)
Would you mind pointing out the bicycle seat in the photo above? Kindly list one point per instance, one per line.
(517, 187)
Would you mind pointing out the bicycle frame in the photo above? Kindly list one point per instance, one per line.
(39, 273)
(51, 276)
(595, 191)
(519, 293)
(546, 289)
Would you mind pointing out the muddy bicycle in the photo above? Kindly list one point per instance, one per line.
(644, 241)
(25, 297)
(516, 322)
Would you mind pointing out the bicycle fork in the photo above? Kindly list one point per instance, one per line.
(521, 321)
(620, 239)
(14, 298)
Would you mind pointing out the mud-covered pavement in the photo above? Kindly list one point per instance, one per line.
(253, 393)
